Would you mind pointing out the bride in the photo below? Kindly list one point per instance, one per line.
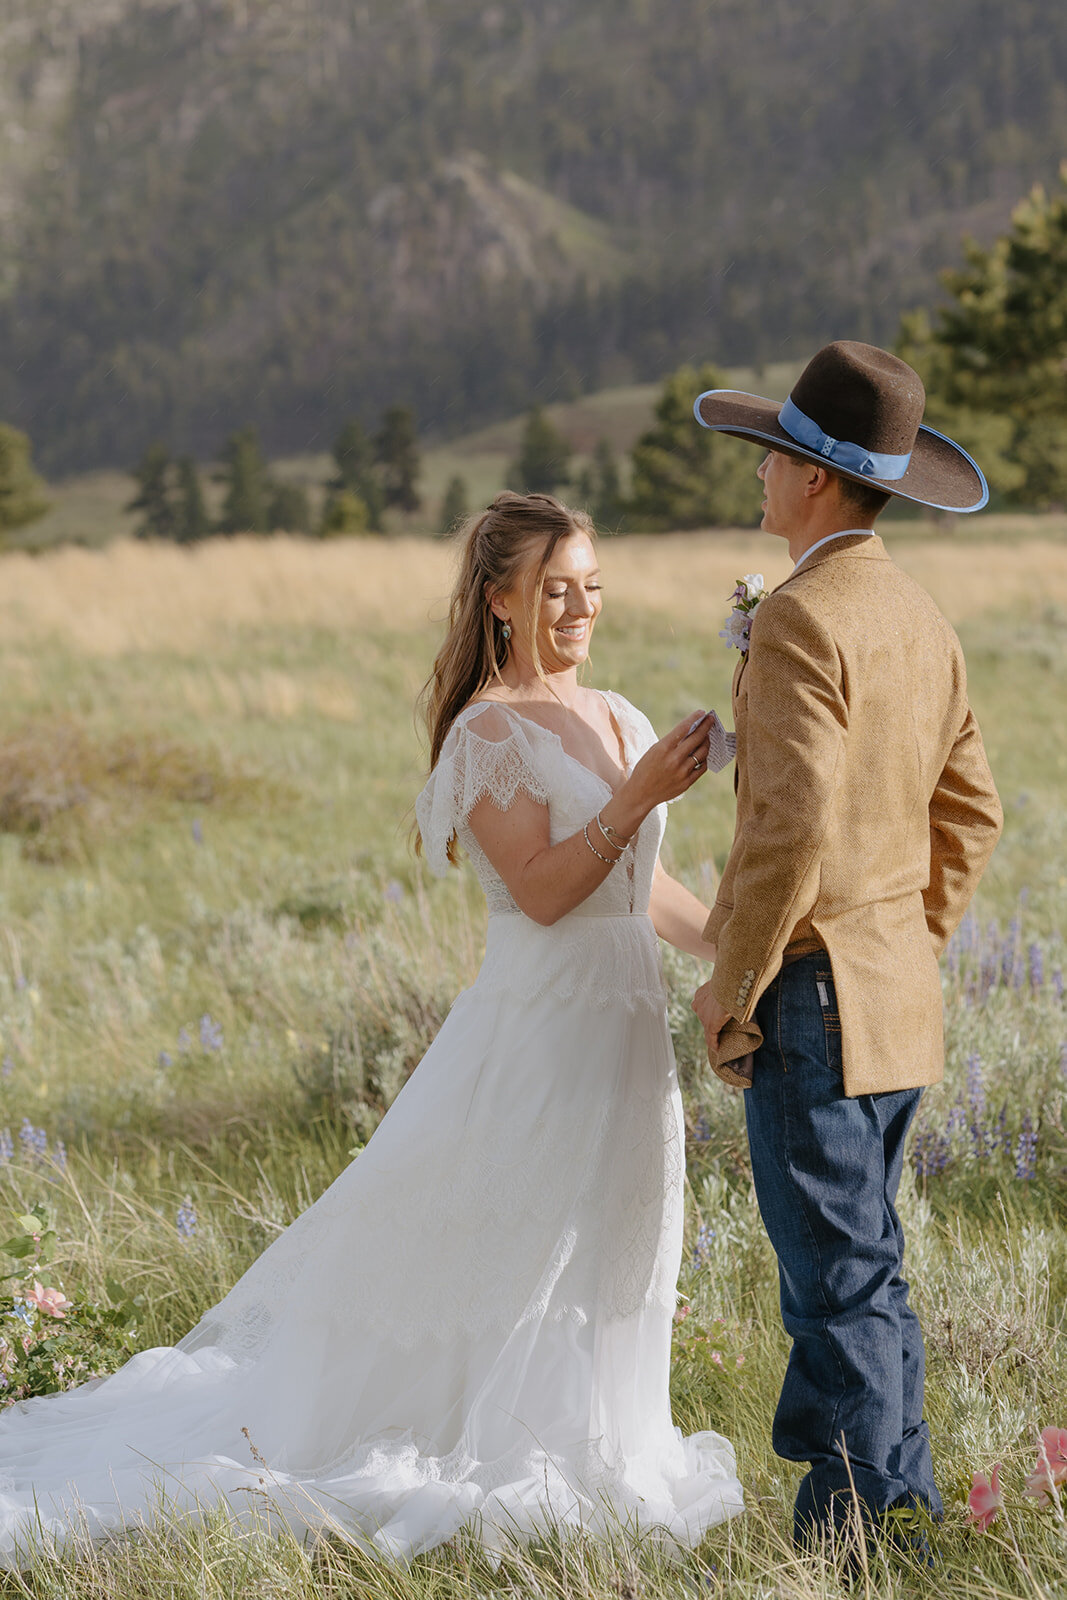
(471, 1327)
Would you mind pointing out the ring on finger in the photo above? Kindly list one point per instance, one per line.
(697, 763)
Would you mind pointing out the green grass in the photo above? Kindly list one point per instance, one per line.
(279, 897)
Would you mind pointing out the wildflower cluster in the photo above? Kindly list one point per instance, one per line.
(47, 1342)
(209, 1038)
(185, 1219)
(980, 961)
(1043, 1485)
(33, 1150)
(974, 1134)
(707, 1347)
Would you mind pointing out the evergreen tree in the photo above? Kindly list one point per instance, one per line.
(994, 360)
(453, 506)
(190, 514)
(357, 474)
(289, 510)
(155, 495)
(543, 462)
(685, 476)
(345, 514)
(244, 473)
(22, 498)
(396, 450)
(606, 503)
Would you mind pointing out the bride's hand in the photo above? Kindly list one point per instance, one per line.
(673, 765)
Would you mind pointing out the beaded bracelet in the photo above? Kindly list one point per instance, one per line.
(608, 861)
(612, 835)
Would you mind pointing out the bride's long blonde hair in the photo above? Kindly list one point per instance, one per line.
(495, 545)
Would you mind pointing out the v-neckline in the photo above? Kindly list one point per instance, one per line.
(551, 734)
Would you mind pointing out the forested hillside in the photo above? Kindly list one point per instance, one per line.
(290, 211)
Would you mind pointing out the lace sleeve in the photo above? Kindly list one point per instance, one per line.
(485, 756)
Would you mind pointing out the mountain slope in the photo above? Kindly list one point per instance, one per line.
(214, 211)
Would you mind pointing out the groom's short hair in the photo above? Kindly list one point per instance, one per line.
(861, 498)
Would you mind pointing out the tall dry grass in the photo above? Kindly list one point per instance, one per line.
(136, 597)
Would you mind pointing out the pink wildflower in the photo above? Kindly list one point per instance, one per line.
(681, 1313)
(53, 1302)
(1051, 1466)
(985, 1499)
(740, 1361)
(716, 1356)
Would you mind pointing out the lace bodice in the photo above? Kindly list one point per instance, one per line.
(494, 751)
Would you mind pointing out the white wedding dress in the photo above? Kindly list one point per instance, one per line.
(472, 1325)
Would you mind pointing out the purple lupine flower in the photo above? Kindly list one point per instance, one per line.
(1063, 1058)
(210, 1033)
(702, 1128)
(1001, 1138)
(1026, 1153)
(184, 1042)
(7, 1146)
(1057, 981)
(185, 1220)
(976, 1104)
(166, 1059)
(34, 1140)
(7, 1067)
(702, 1248)
(198, 831)
(393, 892)
(1036, 958)
(930, 1153)
(59, 1155)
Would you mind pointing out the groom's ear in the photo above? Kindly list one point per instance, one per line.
(818, 480)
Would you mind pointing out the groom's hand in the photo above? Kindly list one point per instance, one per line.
(712, 1016)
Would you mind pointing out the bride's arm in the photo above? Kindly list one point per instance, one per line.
(547, 880)
(678, 916)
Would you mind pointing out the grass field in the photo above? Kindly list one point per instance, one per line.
(219, 959)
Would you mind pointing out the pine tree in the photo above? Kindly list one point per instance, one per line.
(190, 516)
(155, 495)
(606, 506)
(396, 450)
(994, 360)
(345, 515)
(543, 462)
(244, 473)
(453, 506)
(357, 473)
(289, 510)
(685, 476)
(22, 498)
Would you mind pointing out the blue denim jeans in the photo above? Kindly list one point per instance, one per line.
(826, 1171)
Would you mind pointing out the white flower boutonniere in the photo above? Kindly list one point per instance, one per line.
(746, 597)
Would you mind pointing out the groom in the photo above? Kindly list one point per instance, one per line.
(866, 814)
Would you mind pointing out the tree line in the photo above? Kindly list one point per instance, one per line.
(373, 473)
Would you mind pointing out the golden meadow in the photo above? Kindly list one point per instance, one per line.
(219, 960)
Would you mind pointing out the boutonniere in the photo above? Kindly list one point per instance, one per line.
(746, 597)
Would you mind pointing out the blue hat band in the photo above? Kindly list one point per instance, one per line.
(840, 452)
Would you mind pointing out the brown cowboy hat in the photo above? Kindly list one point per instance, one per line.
(858, 411)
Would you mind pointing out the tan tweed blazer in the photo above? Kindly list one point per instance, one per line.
(866, 810)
